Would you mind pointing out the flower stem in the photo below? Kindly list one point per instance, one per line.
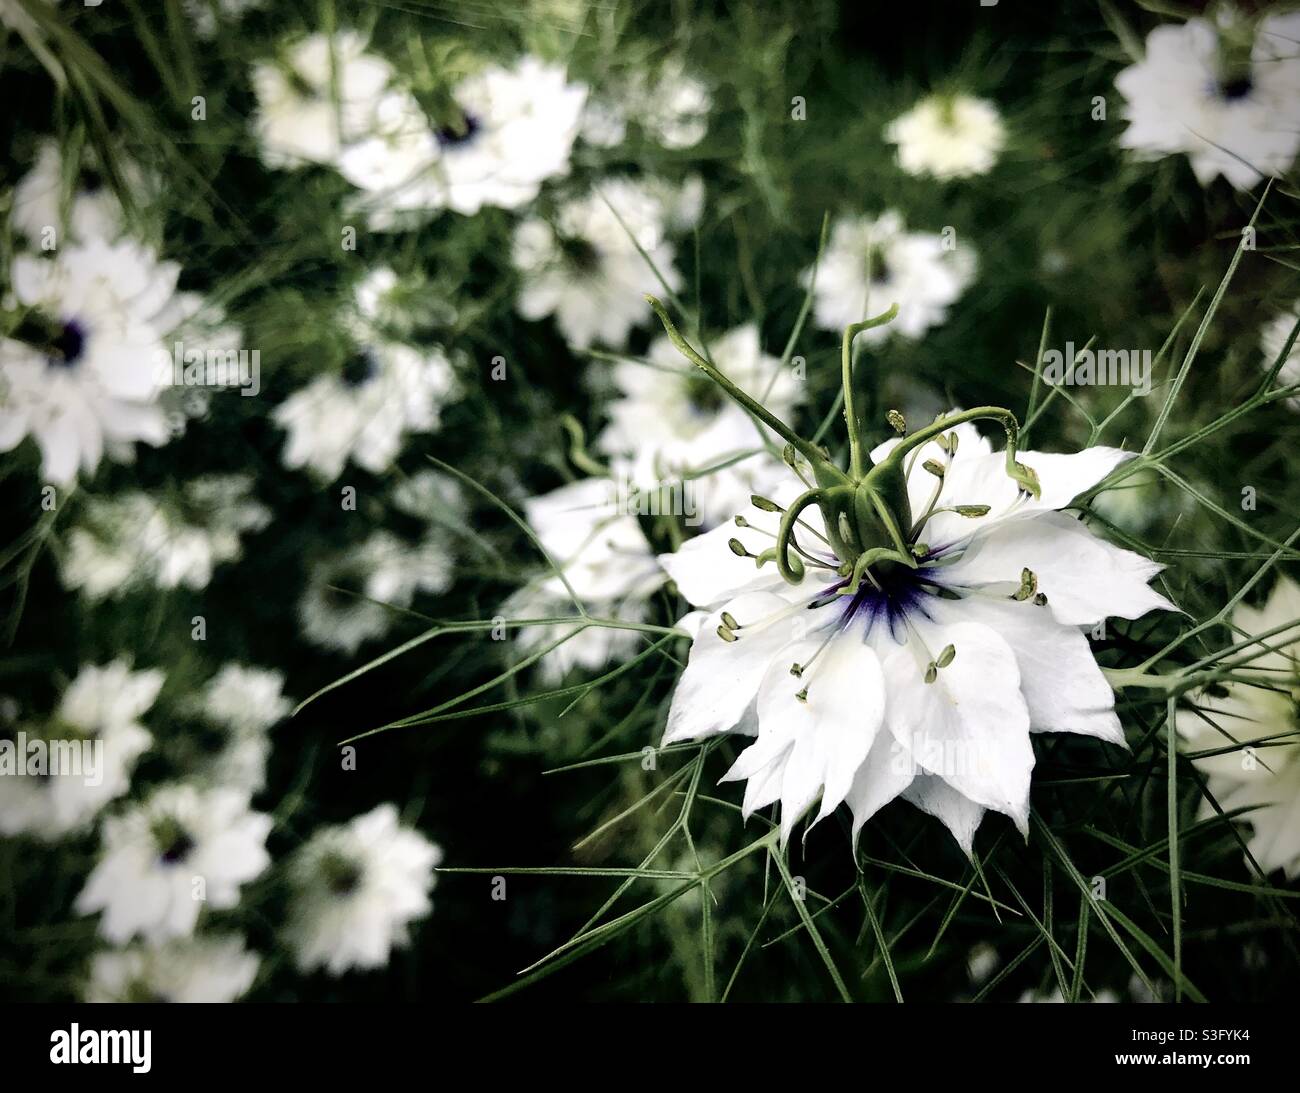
(850, 412)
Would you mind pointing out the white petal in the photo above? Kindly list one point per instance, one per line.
(722, 677)
(959, 814)
(887, 771)
(1085, 579)
(1064, 688)
(971, 725)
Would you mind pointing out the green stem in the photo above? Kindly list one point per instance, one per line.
(1018, 472)
(808, 450)
(850, 411)
(786, 534)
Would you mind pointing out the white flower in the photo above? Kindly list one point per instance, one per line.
(358, 888)
(384, 574)
(197, 969)
(1259, 767)
(925, 683)
(86, 377)
(671, 420)
(101, 709)
(242, 703)
(608, 564)
(672, 109)
(208, 19)
(387, 392)
(1103, 996)
(299, 119)
(1271, 344)
(514, 128)
(592, 265)
(134, 540)
(92, 210)
(948, 136)
(165, 860)
(245, 699)
(872, 263)
(1224, 96)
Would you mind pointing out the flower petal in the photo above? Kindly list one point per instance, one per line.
(971, 725)
(1085, 579)
(1064, 688)
(959, 814)
(722, 677)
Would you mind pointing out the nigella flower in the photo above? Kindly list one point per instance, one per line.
(364, 413)
(872, 260)
(591, 264)
(670, 422)
(353, 598)
(901, 628)
(192, 969)
(80, 372)
(1224, 95)
(671, 107)
(163, 861)
(357, 888)
(505, 132)
(948, 136)
(236, 708)
(89, 211)
(323, 95)
(135, 540)
(607, 561)
(99, 713)
(1252, 725)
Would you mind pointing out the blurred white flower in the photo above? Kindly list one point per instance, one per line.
(1238, 718)
(385, 569)
(358, 887)
(241, 703)
(608, 564)
(948, 136)
(91, 210)
(1271, 343)
(385, 393)
(211, 15)
(195, 969)
(81, 374)
(245, 699)
(926, 686)
(671, 420)
(513, 129)
(870, 264)
(1104, 996)
(671, 107)
(135, 539)
(101, 709)
(1223, 95)
(592, 264)
(163, 861)
(323, 94)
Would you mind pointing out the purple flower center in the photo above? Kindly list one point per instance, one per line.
(458, 136)
(69, 344)
(902, 591)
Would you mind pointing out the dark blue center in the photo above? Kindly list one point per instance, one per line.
(1236, 88)
(360, 369)
(69, 344)
(458, 136)
(902, 591)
